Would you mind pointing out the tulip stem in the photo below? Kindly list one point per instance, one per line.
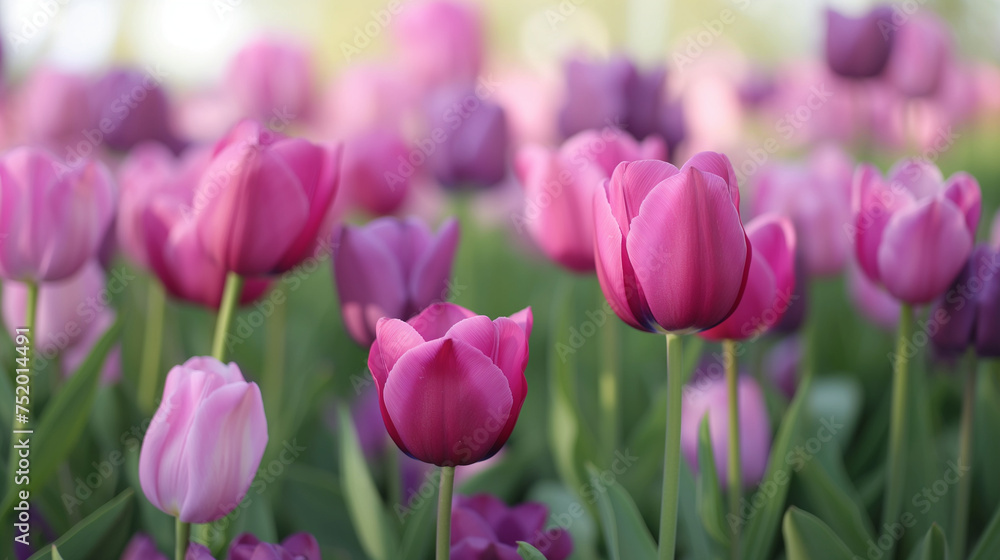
(608, 385)
(181, 538)
(444, 513)
(961, 516)
(274, 366)
(672, 451)
(735, 476)
(898, 422)
(152, 344)
(230, 299)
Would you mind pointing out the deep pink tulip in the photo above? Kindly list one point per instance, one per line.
(299, 546)
(817, 197)
(439, 42)
(921, 55)
(54, 109)
(451, 383)
(264, 198)
(709, 396)
(205, 442)
(270, 77)
(559, 190)
(859, 47)
(370, 174)
(669, 245)
(484, 528)
(914, 231)
(142, 547)
(391, 268)
(52, 218)
(769, 285)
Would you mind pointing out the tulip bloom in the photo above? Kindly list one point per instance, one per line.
(52, 218)
(439, 42)
(263, 199)
(142, 547)
(769, 285)
(709, 396)
(921, 55)
(969, 313)
(391, 268)
(53, 108)
(473, 152)
(450, 382)
(559, 190)
(205, 441)
(484, 528)
(300, 546)
(914, 231)
(270, 77)
(859, 47)
(130, 108)
(369, 175)
(670, 249)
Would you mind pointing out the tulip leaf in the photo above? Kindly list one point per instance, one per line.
(529, 552)
(64, 418)
(564, 425)
(55, 553)
(709, 501)
(79, 542)
(808, 538)
(626, 536)
(363, 500)
(312, 501)
(988, 547)
(688, 521)
(762, 522)
(932, 547)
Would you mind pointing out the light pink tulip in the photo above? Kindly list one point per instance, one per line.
(53, 108)
(439, 42)
(920, 55)
(270, 77)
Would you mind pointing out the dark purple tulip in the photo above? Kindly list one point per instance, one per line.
(968, 314)
(131, 107)
(859, 47)
(300, 546)
(484, 528)
(782, 364)
(469, 139)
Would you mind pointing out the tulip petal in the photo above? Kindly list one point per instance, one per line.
(435, 320)
(430, 274)
(629, 185)
(987, 329)
(466, 523)
(873, 202)
(954, 336)
(717, 164)
(918, 176)
(370, 282)
(614, 270)
(963, 190)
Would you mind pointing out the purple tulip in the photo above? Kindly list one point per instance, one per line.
(391, 268)
(451, 383)
(369, 172)
(264, 198)
(131, 107)
(205, 442)
(968, 314)
(769, 285)
(914, 231)
(142, 547)
(709, 396)
(859, 47)
(300, 546)
(921, 55)
(995, 231)
(197, 551)
(695, 281)
(54, 109)
(439, 42)
(472, 139)
(270, 77)
(781, 365)
(484, 528)
(559, 190)
(52, 218)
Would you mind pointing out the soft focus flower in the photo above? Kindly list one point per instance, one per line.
(451, 383)
(709, 396)
(391, 268)
(299, 546)
(472, 139)
(270, 77)
(439, 42)
(131, 107)
(769, 285)
(920, 55)
(53, 108)
(363, 96)
(968, 314)
(265, 198)
(370, 175)
(205, 442)
(871, 300)
(670, 248)
(859, 47)
(52, 217)
(484, 528)
(914, 231)
(142, 547)
(781, 365)
(559, 190)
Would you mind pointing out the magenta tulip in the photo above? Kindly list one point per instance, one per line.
(205, 442)
(263, 199)
(709, 396)
(770, 284)
(914, 231)
(859, 47)
(391, 268)
(451, 383)
(439, 42)
(921, 55)
(370, 177)
(559, 190)
(269, 78)
(142, 547)
(300, 546)
(670, 249)
(484, 528)
(52, 218)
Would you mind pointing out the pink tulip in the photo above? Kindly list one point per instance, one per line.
(205, 442)
(54, 109)
(669, 245)
(263, 199)
(270, 77)
(560, 185)
(370, 176)
(451, 383)
(769, 285)
(439, 42)
(52, 217)
(920, 56)
(391, 268)
(914, 231)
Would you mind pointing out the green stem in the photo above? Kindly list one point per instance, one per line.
(152, 344)
(230, 300)
(672, 451)
(608, 385)
(181, 537)
(961, 516)
(274, 366)
(394, 477)
(735, 476)
(898, 423)
(444, 513)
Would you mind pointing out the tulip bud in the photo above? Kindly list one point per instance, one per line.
(451, 383)
(299, 546)
(859, 47)
(205, 442)
(473, 150)
(670, 249)
(369, 172)
(439, 42)
(484, 528)
(142, 547)
(270, 77)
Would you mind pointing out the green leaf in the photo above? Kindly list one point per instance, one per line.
(564, 424)
(988, 547)
(762, 526)
(808, 538)
(625, 533)
(529, 552)
(836, 505)
(932, 547)
(987, 432)
(55, 553)
(363, 500)
(709, 501)
(85, 536)
(64, 418)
